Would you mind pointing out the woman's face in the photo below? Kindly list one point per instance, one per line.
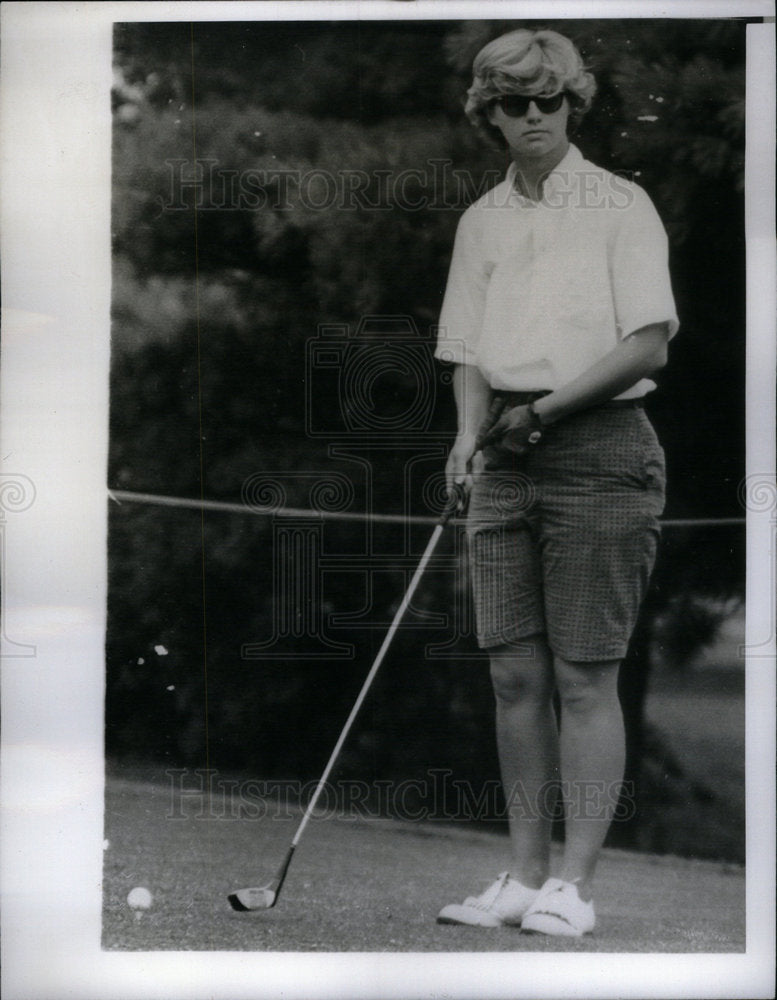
(534, 134)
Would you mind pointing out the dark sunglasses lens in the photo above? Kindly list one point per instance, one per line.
(516, 105)
(547, 105)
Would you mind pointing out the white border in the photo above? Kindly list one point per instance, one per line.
(761, 597)
(56, 280)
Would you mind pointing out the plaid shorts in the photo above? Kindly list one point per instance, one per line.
(562, 540)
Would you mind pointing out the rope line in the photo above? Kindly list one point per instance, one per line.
(223, 506)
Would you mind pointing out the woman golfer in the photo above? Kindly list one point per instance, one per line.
(559, 302)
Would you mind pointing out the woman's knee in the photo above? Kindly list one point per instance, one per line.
(585, 687)
(522, 675)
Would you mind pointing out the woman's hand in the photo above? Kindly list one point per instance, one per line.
(463, 463)
(515, 431)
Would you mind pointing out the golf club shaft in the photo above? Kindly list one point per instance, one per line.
(280, 875)
(455, 499)
(370, 676)
(497, 405)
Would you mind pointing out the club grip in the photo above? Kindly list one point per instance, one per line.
(452, 504)
(456, 497)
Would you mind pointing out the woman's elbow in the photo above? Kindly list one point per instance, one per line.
(651, 344)
(660, 355)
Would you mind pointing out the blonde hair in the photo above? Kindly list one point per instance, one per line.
(528, 62)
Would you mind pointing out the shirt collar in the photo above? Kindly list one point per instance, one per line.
(571, 162)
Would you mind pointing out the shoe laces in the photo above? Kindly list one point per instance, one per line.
(487, 899)
(566, 889)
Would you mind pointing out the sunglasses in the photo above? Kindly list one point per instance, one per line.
(516, 105)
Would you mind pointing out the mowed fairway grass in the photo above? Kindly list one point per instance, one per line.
(360, 885)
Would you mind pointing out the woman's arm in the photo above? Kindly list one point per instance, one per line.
(636, 357)
(473, 396)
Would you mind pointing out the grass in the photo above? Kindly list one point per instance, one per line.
(373, 886)
(699, 712)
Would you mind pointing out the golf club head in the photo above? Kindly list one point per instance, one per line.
(253, 899)
(266, 896)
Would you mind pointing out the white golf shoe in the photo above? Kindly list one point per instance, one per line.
(559, 910)
(503, 902)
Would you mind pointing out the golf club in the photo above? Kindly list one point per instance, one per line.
(266, 896)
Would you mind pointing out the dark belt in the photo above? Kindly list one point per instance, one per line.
(524, 398)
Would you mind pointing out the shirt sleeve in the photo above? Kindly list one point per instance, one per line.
(461, 317)
(642, 290)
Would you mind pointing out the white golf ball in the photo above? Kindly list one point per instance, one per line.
(140, 898)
